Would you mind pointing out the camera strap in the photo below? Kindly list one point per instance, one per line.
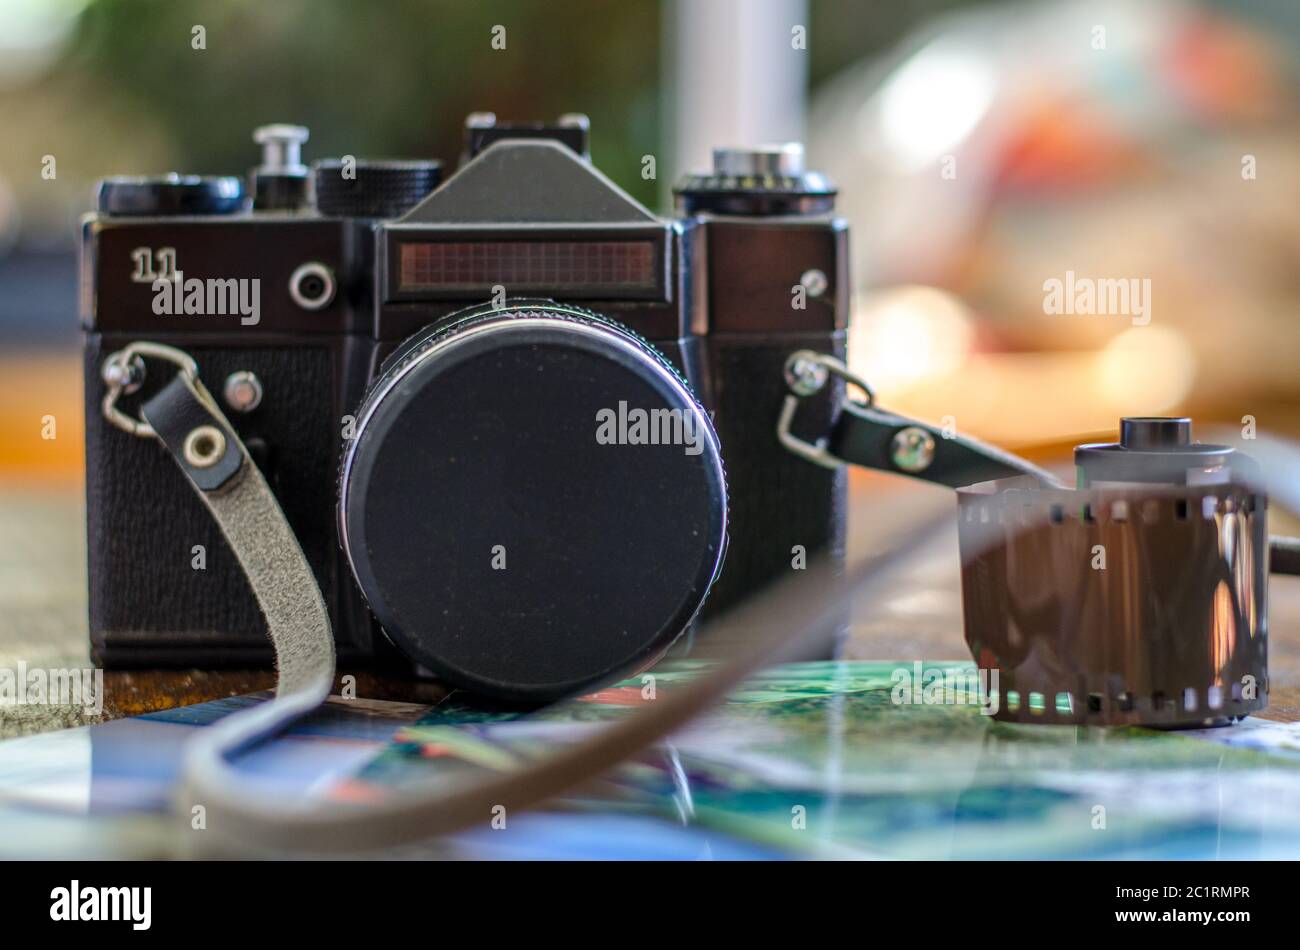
(1137, 598)
(187, 422)
(765, 629)
(866, 435)
(185, 419)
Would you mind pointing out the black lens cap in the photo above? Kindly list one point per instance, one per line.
(533, 502)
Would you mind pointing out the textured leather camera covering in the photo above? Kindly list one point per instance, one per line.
(779, 502)
(149, 605)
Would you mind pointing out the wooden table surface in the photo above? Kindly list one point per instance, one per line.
(43, 610)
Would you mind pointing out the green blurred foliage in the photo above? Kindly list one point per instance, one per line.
(842, 32)
(382, 78)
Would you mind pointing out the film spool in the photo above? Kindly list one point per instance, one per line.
(1141, 605)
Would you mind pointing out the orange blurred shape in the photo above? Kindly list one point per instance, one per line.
(616, 696)
(42, 428)
(1063, 144)
(1221, 71)
(355, 790)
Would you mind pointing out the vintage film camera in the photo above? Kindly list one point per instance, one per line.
(514, 418)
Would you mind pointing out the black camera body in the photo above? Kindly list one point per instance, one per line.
(422, 369)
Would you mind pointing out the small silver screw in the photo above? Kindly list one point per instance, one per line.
(242, 391)
(815, 282)
(804, 374)
(912, 449)
(128, 377)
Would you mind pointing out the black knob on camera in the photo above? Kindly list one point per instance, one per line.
(349, 188)
(170, 194)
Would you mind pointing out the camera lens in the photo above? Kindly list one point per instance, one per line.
(533, 502)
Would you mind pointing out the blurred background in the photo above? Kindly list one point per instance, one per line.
(982, 149)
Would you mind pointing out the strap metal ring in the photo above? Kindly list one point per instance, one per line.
(121, 360)
(802, 384)
(806, 372)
